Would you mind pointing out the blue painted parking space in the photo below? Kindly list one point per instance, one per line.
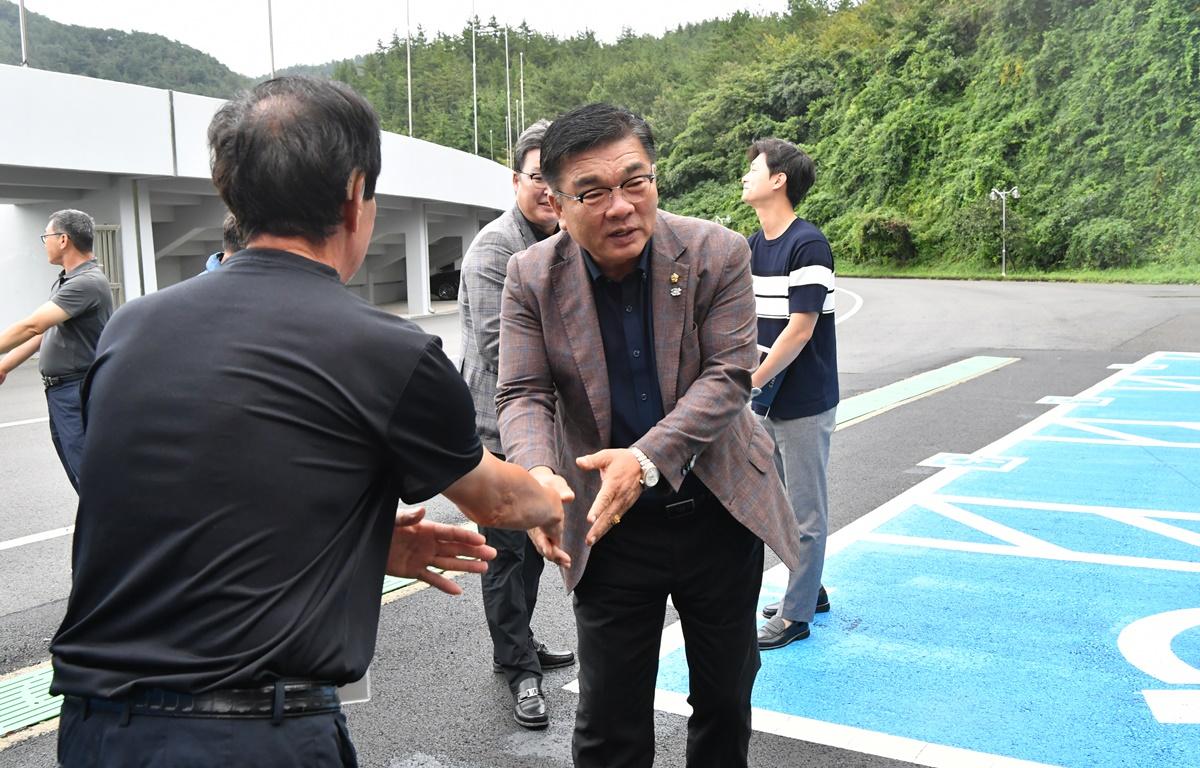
(1035, 604)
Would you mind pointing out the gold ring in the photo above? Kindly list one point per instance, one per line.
(616, 519)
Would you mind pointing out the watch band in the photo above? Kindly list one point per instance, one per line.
(650, 474)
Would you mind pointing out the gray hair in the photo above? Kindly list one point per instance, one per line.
(76, 225)
(530, 139)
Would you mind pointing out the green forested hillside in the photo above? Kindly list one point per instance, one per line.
(913, 110)
(114, 55)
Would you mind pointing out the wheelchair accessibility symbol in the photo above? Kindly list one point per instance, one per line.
(1146, 644)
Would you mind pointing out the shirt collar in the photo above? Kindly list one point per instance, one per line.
(84, 267)
(595, 273)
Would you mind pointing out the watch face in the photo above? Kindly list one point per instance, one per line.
(651, 477)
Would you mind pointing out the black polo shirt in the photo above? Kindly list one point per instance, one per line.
(249, 435)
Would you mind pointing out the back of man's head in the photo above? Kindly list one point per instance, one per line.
(529, 140)
(785, 157)
(581, 129)
(283, 155)
(76, 225)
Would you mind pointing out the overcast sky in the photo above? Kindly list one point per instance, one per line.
(316, 31)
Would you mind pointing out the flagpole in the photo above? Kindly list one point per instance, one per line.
(271, 37)
(408, 57)
(522, 90)
(474, 81)
(507, 99)
(24, 41)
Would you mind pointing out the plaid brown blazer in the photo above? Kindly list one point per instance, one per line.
(553, 397)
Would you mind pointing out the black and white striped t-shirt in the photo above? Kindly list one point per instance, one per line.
(794, 273)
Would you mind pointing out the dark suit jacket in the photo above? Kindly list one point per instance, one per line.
(553, 396)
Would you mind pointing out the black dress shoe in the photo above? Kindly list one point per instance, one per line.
(770, 609)
(529, 705)
(775, 634)
(552, 659)
(547, 658)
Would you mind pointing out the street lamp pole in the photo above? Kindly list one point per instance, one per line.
(1003, 196)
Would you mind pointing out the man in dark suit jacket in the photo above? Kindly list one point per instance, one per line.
(627, 344)
(510, 584)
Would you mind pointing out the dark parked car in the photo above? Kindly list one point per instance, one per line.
(444, 285)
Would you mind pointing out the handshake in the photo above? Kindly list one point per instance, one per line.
(500, 495)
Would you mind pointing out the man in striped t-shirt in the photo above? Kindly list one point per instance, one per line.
(793, 287)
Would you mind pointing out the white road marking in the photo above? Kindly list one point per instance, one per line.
(858, 302)
(26, 422)
(34, 538)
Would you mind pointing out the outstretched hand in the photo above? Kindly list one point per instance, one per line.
(620, 487)
(418, 545)
(547, 539)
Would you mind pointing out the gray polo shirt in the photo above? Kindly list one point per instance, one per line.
(84, 294)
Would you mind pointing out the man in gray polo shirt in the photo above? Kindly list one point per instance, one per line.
(65, 329)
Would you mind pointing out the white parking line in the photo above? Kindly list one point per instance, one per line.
(33, 538)
(858, 302)
(42, 420)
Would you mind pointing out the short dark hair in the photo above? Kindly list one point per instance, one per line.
(529, 140)
(76, 225)
(283, 152)
(231, 236)
(592, 125)
(785, 157)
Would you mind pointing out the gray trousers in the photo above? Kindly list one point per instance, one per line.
(802, 457)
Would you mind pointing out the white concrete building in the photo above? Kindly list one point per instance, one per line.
(137, 160)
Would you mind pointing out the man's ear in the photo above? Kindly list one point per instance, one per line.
(516, 180)
(556, 204)
(779, 181)
(352, 208)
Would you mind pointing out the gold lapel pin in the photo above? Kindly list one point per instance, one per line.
(674, 278)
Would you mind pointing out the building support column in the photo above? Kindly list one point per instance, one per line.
(137, 238)
(416, 260)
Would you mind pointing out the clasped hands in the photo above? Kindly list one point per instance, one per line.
(620, 487)
(418, 544)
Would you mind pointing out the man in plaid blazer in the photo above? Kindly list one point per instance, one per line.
(510, 585)
(627, 346)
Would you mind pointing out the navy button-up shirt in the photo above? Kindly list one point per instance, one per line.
(627, 330)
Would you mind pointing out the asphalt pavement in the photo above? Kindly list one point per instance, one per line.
(436, 703)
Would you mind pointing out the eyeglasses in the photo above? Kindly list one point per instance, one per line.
(634, 190)
(52, 234)
(537, 178)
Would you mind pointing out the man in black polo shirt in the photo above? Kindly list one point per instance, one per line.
(249, 437)
(65, 329)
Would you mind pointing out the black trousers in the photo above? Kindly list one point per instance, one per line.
(103, 739)
(510, 590)
(711, 566)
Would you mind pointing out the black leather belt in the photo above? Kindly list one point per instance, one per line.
(54, 381)
(283, 699)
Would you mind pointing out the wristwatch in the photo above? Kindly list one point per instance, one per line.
(649, 471)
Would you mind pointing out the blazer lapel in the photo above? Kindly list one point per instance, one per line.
(671, 293)
(577, 308)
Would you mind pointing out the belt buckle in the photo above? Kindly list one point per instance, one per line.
(50, 381)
